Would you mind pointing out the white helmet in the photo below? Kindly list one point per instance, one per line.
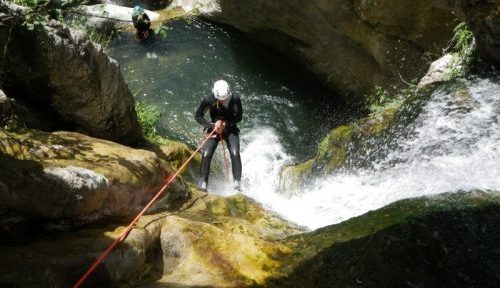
(221, 90)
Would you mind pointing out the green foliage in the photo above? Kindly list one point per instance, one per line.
(463, 44)
(149, 116)
(463, 40)
(78, 20)
(197, 8)
(27, 3)
(11, 122)
(429, 57)
(41, 11)
(161, 31)
(380, 99)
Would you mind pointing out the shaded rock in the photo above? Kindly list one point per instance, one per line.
(485, 20)
(60, 260)
(450, 240)
(356, 45)
(5, 105)
(58, 69)
(17, 115)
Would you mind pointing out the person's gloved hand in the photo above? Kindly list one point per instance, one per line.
(219, 126)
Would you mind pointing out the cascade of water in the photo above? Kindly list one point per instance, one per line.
(454, 146)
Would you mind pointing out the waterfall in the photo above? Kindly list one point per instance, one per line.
(454, 146)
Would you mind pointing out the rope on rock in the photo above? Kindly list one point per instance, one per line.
(124, 234)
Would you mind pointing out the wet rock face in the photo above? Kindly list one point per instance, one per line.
(77, 179)
(487, 26)
(57, 69)
(450, 240)
(356, 45)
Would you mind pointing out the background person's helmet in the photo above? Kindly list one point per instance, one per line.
(138, 10)
(221, 90)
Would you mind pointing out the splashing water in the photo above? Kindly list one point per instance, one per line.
(454, 147)
(453, 143)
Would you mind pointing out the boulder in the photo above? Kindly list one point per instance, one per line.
(450, 240)
(346, 146)
(440, 70)
(106, 17)
(58, 69)
(70, 177)
(194, 247)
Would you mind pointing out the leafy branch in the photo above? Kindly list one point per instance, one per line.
(463, 43)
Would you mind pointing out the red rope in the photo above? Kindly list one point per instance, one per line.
(124, 234)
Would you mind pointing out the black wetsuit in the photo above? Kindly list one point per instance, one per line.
(231, 115)
(143, 25)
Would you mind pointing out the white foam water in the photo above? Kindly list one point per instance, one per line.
(455, 146)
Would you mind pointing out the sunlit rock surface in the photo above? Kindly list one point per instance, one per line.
(76, 178)
(209, 241)
(440, 70)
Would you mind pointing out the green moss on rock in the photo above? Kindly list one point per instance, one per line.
(450, 240)
(293, 177)
(338, 147)
(333, 149)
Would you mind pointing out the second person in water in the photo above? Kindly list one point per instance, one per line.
(142, 23)
(225, 112)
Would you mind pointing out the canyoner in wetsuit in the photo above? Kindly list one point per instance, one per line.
(142, 23)
(225, 112)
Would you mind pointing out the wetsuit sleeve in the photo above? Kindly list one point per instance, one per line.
(200, 114)
(239, 114)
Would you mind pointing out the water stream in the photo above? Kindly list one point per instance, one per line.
(453, 144)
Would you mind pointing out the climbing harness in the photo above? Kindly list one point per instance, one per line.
(226, 162)
(124, 234)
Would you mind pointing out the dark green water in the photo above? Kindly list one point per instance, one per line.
(174, 73)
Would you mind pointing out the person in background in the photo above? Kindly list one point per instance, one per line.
(141, 22)
(225, 112)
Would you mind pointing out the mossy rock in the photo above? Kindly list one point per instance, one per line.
(192, 246)
(176, 154)
(341, 148)
(292, 178)
(333, 149)
(450, 240)
(79, 179)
